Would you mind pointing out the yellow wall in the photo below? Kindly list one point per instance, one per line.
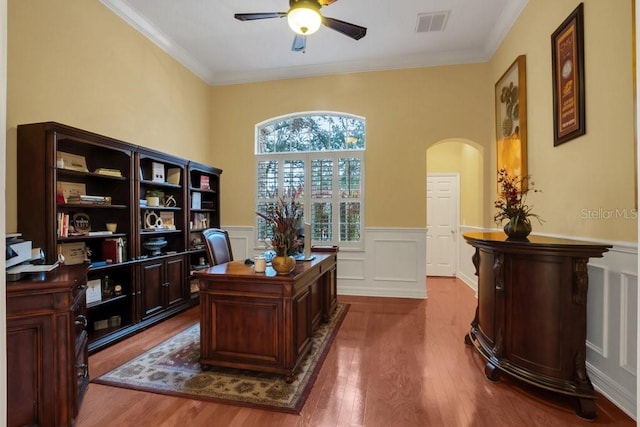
(406, 111)
(592, 174)
(77, 63)
(466, 160)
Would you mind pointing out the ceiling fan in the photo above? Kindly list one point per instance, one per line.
(304, 18)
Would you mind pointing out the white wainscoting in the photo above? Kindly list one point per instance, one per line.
(612, 317)
(393, 263)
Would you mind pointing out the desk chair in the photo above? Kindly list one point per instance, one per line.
(218, 246)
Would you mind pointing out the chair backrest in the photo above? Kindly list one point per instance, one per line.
(218, 246)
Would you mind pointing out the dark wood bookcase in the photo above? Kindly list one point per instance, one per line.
(144, 273)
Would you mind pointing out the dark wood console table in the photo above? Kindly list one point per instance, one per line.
(47, 353)
(262, 321)
(531, 318)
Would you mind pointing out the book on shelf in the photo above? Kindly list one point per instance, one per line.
(90, 200)
(110, 172)
(204, 182)
(100, 233)
(196, 200)
(114, 250)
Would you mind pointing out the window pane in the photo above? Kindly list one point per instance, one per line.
(308, 133)
(293, 176)
(264, 228)
(321, 224)
(349, 170)
(267, 179)
(349, 222)
(321, 178)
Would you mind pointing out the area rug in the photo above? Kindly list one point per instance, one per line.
(172, 368)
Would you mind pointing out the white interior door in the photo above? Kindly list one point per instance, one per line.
(442, 223)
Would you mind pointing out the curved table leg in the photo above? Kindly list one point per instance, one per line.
(586, 408)
(492, 372)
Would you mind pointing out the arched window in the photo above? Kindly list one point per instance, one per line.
(321, 153)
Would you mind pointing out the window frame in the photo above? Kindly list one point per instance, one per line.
(307, 157)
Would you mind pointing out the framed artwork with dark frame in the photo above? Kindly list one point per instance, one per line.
(511, 119)
(567, 47)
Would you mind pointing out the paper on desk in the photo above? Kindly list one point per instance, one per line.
(31, 268)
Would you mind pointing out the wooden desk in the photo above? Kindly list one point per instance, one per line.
(262, 321)
(531, 319)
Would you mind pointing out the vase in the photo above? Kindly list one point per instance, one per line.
(283, 264)
(517, 230)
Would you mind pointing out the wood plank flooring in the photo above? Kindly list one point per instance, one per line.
(395, 362)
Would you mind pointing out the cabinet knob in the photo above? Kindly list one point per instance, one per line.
(81, 320)
(82, 370)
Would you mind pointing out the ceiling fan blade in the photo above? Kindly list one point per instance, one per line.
(351, 30)
(299, 43)
(326, 2)
(254, 16)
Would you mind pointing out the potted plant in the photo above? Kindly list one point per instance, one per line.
(153, 197)
(511, 205)
(284, 217)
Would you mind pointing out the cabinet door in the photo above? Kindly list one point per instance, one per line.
(29, 364)
(175, 280)
(152, 285)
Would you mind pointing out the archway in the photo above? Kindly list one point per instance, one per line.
(461, 159)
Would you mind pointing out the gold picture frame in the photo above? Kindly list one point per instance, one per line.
(511, 119)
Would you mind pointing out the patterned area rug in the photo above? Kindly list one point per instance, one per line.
(172, 368)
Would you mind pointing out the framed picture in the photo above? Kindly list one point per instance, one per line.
(70, 189)
(567, 47)
(71, 161)
(511, 119)
(94, 291)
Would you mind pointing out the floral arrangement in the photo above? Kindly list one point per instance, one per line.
(511, 204)
(285, 217)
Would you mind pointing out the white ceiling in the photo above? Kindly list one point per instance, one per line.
(204, 36)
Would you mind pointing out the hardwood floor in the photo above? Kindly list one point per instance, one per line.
(395, 362)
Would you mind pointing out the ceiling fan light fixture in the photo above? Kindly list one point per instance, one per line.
(304, 17)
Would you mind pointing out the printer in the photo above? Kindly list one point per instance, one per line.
(21, 258)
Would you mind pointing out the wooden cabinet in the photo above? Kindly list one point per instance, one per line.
(531, 317)
(47, 356)
(162, 285)
(55, 162)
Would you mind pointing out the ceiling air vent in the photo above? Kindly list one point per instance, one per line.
(429, 22)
